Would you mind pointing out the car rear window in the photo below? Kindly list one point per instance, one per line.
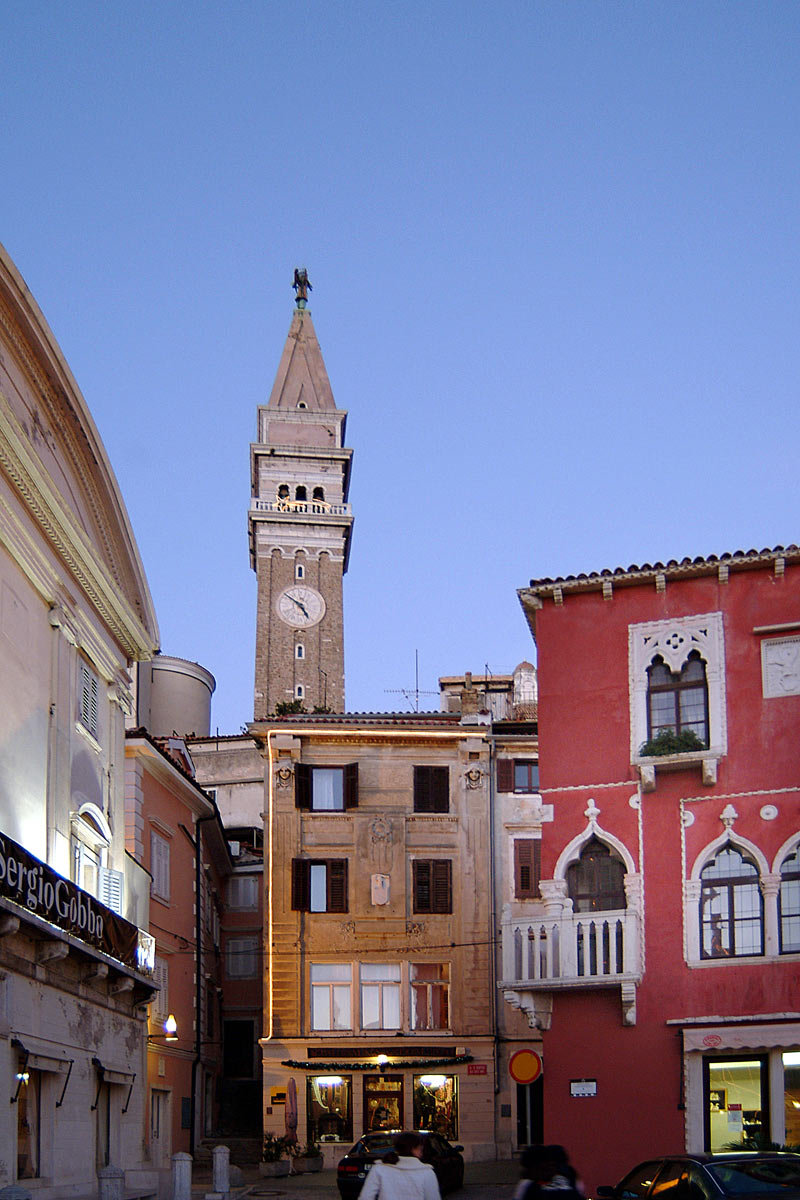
(376, 1145)
(757, 1175)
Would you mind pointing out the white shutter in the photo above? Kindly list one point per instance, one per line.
(110, 888)
(159, 1010)
(89, 697)
(159, 865)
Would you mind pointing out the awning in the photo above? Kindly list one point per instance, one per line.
(37, 1059)
(116, 1075)
(711, 1038)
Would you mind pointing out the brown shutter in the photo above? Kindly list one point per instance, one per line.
(442, 885)
(505, 774)
(440, 789)
(301, 882)
(422, 885)
(302, 785)
(337, 884)
(351, 786)
(527, 858)
(422, 789)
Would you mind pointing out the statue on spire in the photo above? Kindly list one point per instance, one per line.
(302, 286)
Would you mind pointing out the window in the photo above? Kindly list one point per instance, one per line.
(789, 904)
(736, 1106)
(318, 494)
(241, 957)
(731, 906)
(159, 866)
(243, 892)
(88, 698)
(319, 885)
(677, 701)
(29, 1122)
(430, 995)
(299, 571)
(331, 1006)
(300, 492)
(436, 1104)
(595, 882)
(326, 789)
(299, 650)
(431, 789)
(330, 1108)
(383, 1102)
(517, 775)
(380, 995)
(283, 491)
(527, 868)
(433, 885)
(298, 692)
(159, 1005)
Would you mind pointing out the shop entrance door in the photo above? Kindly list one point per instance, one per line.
(383, 1102)
(530, 1122)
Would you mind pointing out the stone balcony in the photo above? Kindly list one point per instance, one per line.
(544, 954)
(311, 508)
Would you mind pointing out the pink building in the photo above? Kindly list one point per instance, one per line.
(659, 959)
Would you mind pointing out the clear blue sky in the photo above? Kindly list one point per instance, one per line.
(554, 249)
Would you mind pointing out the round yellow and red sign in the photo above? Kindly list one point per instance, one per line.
(525, 1066)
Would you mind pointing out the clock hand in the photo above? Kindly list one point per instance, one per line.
(302, 607)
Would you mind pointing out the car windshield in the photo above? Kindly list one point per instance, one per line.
(757, 1175)
(375, 1144)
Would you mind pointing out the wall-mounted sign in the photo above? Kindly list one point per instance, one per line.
(476, 1068)
(583, 1087)
(525, 1066)
(277, 1095)
(39, 889)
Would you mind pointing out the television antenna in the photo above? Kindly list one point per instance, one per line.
(411, 695)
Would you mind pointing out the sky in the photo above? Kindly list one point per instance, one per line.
(554, 247)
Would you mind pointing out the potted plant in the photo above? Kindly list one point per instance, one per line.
(669, 742)
(273, 1155)
(308, 1158)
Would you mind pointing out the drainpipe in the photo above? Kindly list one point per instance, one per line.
(493, 924)
(198, 1003)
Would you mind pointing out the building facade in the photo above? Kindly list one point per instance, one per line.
(300, 524)
(75, 957)
(658, 953)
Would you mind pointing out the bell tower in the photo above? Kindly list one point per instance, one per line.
(299, 526)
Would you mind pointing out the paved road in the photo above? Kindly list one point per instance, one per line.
(483, 1181)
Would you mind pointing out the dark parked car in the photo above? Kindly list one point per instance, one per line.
(446, 1160)
(750, 1175)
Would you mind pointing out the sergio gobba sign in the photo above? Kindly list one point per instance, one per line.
(38, 888)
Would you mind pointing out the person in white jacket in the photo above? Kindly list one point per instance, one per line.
(402, 1175)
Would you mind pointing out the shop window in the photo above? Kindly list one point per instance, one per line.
(319, 885)
(383, 1102)
(326, 789)
(380, 995)
(527, 868)
(436, 1104)
(431, 789)
(596, 882)
(330, 1108)
(677, 701)
(159, 866)
(731, 906)
(430, 995)
(736, 1101)
(241, 958)
(433, 885)
(789, 904)
(331, 1006)
(88, 699)
(29, 1122)
(791, 1096)
(517, 775)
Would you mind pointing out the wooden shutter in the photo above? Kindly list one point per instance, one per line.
(505, 774)
(421, 870)
(431, 789)
(337, 885)
(301, 884)
(422, 790)
(110, 888)
(527, 859)
(351, 787)
(302, 785)
(442, 885)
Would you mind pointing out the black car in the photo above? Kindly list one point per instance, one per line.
(747, 1174)
(446, 1160)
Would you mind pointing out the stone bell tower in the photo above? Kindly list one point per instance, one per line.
(299, 525)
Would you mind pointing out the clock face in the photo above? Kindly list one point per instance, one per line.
(300, 606)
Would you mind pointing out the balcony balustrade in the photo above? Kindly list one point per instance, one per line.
(574, 950)
(312, 508)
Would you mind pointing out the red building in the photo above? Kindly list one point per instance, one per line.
(660, 959)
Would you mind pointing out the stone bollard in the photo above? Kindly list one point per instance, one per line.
(181, 1177)
(221, 1157)
(112, 1180)
(14, 1192)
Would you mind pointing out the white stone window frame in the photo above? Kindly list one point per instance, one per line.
(769, 881)
(674, 639)
(780, 667)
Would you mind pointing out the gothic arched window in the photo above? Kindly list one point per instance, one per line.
(731, 906)
(789, 903)
(677, 701)
(596, 882)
